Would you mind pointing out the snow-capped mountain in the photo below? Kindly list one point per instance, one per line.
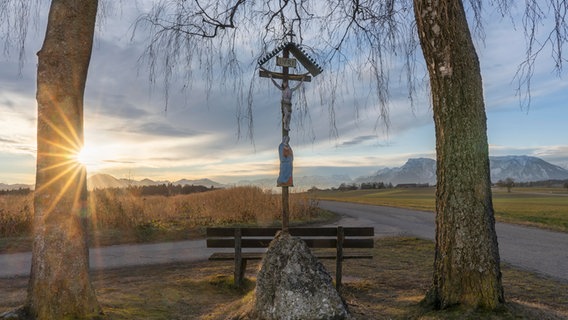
(415, 170)
(524, 169)
(519, 168)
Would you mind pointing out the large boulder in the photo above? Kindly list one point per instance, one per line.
(292, 284)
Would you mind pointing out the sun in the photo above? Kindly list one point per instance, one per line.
(88, 157)
(82, 156)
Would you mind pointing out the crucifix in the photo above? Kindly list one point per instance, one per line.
(286, 156)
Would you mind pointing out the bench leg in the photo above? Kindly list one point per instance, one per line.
(240, 263)
(338, 274)
(339, 258)
(240, 268)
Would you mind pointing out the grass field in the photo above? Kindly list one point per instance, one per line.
(541, 207)
(390, 286)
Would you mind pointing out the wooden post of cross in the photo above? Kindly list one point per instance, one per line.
(285, 134)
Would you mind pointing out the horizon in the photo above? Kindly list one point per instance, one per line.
(128, 133)
(263, 180)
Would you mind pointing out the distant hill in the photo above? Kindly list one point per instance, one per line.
(101, 181)
(519, 168)
(199, 182)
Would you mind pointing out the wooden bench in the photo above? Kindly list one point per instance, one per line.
(332, 237)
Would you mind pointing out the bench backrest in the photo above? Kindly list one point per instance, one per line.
(325, 237)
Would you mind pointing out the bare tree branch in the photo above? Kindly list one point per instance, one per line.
(15, 19)
(553, 40)
(364, 37)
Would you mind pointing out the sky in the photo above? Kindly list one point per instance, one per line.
(130, 134)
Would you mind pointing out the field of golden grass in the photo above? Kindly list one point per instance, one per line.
(118, 216)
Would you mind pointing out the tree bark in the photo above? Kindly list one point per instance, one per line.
(466, 266)
(60, 286)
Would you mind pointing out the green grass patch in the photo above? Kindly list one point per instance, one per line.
(419, 198)
(541, 207)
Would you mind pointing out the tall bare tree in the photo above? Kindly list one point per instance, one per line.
(467, 270)
(365, 36)
(60, 286)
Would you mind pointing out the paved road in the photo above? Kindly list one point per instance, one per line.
(533, 249)
(19, 264)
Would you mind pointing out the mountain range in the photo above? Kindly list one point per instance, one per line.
(100, 181)
(415, 170)
(518, 168)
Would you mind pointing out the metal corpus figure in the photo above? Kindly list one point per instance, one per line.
(285, 178)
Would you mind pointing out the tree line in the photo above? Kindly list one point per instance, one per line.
(19, 191)
(165, 189)
(364, 186)
(509, 183)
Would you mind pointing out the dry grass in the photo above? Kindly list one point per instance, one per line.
(15, 215)
(118, 216)
(239, 205)
(390, 286)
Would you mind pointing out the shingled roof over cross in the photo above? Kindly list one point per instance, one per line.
(299, 53)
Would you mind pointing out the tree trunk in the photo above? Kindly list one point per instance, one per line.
(466, 266)
(60, 286)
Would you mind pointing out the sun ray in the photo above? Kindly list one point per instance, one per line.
(57, 177)
(67, 184)
(74, 140)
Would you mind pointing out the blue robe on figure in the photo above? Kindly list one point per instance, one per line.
(286, 164)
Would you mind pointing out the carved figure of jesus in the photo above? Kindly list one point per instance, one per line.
(286, 101)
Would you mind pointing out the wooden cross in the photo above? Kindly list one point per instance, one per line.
(286, 104)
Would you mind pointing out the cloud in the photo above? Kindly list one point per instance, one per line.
(162, 129)
(8, 141)
(116, 106)
(358, 140)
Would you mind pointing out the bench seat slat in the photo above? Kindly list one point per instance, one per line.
(245, 243)
(359, 231)
(311, 242)
(299, 232)
(225, 256)
(231, 256)
(358, 243)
